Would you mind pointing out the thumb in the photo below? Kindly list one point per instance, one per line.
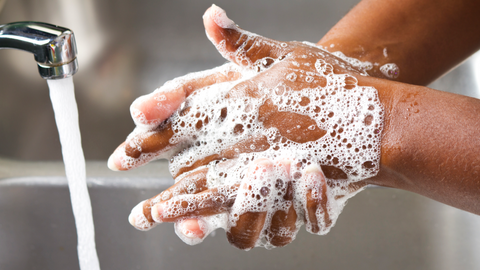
(237, 45)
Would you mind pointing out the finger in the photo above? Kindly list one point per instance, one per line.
(199, 163)
(248, 214)
(209, 202)
(316, 213)
(138, 220)
(190, 183)
(283, 227)
(237, 45)
(151, 110)
(247, 230)
(250, 145)
(141, 147)
(356, 186)
(351, 189)
(282, 230)
(191, 231)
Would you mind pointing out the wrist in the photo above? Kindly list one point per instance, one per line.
(392, 96)
(381, 58)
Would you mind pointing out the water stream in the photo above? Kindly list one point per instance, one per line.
(66, 117)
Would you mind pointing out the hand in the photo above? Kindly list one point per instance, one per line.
(279, 103)
(260, 210)
(269, 193)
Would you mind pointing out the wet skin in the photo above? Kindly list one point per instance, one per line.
(424, 132)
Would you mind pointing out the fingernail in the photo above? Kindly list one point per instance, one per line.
(314, 177)
(312, 169)
(185, 231)
(259, 163)
(192, 229)
(139, 117)
(263, 162)
(157, 212)
(131, 219)
(219, 16)
(139, 100)
(112, 163)
(138, 220)
(285, 163)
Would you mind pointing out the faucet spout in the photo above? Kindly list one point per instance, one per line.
(53, 47)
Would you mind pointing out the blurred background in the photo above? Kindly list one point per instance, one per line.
(128, 48)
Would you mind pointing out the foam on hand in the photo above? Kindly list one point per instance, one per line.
(351, 115)
(220, 18)
(390, 70)
(211, 122)
(175, 92)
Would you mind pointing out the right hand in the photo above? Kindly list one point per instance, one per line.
(276, 203)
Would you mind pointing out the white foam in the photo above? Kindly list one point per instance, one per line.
(220, 18)
(207, 226)
(390, 70)
(160, 94)
(138, 219)
(363, 66)
(351, 116)
(338, 110)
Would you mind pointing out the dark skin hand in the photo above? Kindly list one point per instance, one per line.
(414, 143)
(425, 39)
(291, 126)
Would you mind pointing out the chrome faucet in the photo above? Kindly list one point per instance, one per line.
(53, 46)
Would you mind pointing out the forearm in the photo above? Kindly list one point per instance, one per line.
(425, 39)
(430, 144)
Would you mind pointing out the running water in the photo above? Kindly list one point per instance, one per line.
(66, 116)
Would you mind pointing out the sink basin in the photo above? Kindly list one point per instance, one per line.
(380, 228)
(128, 48)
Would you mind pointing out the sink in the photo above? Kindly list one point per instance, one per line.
(380, 228)
(127, 49)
